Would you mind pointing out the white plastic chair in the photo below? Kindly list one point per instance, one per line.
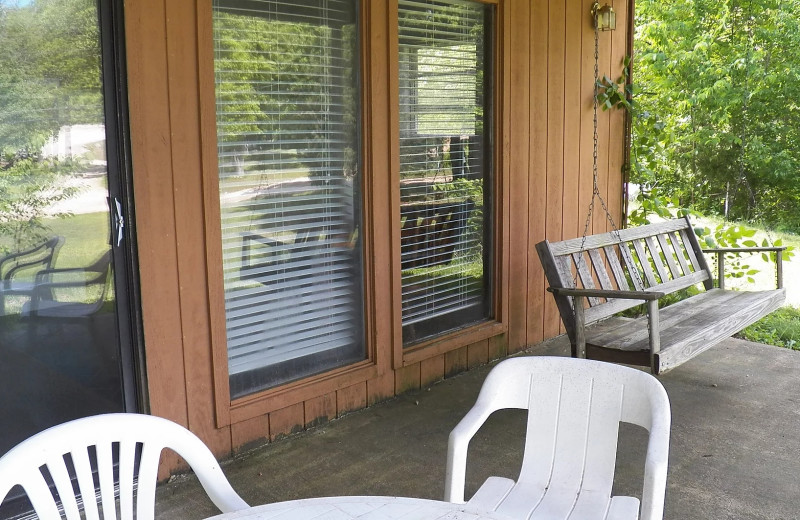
(132, 433)
(574, 410)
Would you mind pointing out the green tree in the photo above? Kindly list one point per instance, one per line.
(49, 78)
(717, 123)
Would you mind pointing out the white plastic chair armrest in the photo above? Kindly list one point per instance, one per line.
(655, 473)
(457, 446)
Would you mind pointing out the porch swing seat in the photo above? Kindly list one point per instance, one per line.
(619, 270)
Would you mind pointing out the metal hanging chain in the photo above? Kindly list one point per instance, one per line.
(595, 188)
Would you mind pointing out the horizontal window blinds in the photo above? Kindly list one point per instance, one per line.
(286, 91)
(443, 65)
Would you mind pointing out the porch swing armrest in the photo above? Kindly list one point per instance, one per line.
(745, 249)
(721, 251)
(607, 293)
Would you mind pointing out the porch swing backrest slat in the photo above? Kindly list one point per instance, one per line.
(675, 240)
(669, 255)
(630, 265)
(656, 252)
(602, 275)
(585, 275)
(616, 268)
(643, 263)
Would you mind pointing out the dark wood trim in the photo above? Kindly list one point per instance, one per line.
(396, 294)
(502, 174)
(213, 229)
(377, 182)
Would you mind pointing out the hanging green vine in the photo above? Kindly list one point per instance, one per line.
(617, 93)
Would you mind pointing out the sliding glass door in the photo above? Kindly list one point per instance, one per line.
(65, 343)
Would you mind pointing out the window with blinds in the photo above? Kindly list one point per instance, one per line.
(288, 118)
(445, 165)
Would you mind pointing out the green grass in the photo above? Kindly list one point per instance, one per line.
(781, 328)
(86, 238)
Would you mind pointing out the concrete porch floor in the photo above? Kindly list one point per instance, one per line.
(735, 444)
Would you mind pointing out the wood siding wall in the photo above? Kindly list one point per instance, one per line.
(546, 66)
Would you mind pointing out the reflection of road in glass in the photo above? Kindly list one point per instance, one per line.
(85, 144)
(90, 197)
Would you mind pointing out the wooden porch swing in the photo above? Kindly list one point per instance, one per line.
(640, 265)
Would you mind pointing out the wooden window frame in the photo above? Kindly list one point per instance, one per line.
(500, 94)
(372, 54)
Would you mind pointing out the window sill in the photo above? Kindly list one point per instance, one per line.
(453, 341)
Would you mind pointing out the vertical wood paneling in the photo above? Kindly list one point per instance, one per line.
(250, 433)
(286, 421)
(351, 398)
(320, 409)
(431, 370)
(407, 378)
(498, 347)
(555, 139)
(455, 362)
(537, 169)
(380, 388)
(586, 102)
(556, 51)
(520, 120)
(572, 119)
(478, 354)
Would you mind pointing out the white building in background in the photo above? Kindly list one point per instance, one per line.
(86, 142)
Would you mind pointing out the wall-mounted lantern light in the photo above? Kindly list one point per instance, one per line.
(605, 19)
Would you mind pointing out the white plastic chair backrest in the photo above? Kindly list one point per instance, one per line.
(575, 407)
(72, 441)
